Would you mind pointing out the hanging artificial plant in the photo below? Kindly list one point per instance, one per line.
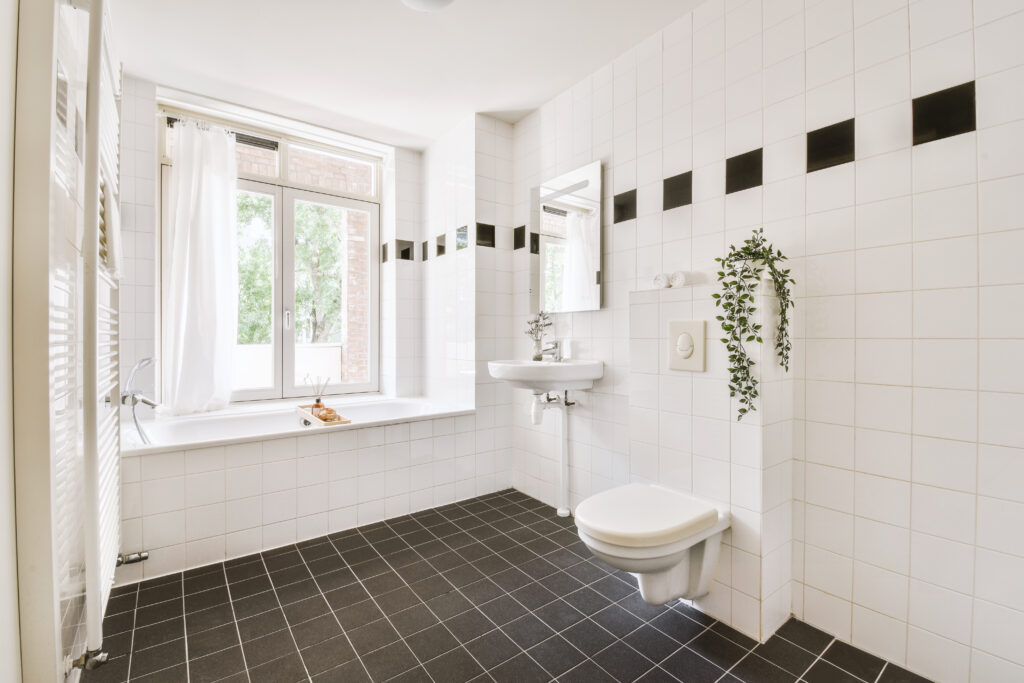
(741, 271)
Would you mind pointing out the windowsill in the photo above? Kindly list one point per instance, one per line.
(272, 419)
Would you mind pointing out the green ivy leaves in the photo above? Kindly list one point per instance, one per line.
(740, 273)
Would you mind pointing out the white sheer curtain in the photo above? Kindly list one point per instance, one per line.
(201, 317)
(580, 291)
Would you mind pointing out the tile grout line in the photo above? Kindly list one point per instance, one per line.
(287, 625)
(238, 632)
(184, 628)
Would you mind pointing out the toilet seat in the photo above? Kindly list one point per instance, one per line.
(642, 515)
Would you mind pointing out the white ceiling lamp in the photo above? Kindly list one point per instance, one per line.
(427, 5)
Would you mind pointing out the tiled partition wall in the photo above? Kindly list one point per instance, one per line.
(908, 276)
(189, 508)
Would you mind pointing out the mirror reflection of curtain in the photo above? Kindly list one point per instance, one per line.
(580, 291)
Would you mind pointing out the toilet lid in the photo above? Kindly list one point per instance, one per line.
(641, 515)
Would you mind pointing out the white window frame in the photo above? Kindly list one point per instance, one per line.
(285, 193)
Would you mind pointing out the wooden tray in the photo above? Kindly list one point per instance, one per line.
(308, 419)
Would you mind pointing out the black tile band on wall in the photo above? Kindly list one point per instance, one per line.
(519, 237)
(743, 171)
(830, 146)
(404, 250)
(534, 242)
(484, 235)
(461, 238)
(425, 250)
(384, 253)
(625, 206)
(677, 191)
(440, 245)
(945, 113)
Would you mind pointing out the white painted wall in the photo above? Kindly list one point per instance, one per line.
(10, 646)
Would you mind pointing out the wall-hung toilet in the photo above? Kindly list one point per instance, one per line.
(668, 540)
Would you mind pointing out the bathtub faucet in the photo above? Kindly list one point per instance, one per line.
(133, 397)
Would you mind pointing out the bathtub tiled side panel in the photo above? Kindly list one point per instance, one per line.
(193, 507)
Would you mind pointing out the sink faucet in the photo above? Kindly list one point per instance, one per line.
(552, 351)
(133, 397)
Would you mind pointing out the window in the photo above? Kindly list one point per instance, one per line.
(308, 276)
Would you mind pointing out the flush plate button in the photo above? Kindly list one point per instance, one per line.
(686, 345)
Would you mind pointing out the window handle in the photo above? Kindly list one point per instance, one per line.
(287, 320)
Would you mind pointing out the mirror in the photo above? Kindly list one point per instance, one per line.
(565, 260)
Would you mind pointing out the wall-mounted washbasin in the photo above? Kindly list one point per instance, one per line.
(541, 376)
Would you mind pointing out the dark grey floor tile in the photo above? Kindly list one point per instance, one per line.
(304, 610)
(383, 583)
(114, 671)
(209, 618)
(722, 652)
(431, 642)
(397, 600)
(415, 675)
(148, 636)
(895, 674)
(688, 666)
(267, 648)
(492, 649)
(162, 611)
(202, 582)
(288, 669)
(357, 615)
(469, 625)
(617, 620)
(158, 657)
(612, 588)
(414, 619)
(785, 654)
(455, 666)
(623, 662)
(212, 640)
(587, 600)
(559, 615)
(859, 663)
(208, 598)
(316, 630)
(503, 610)
(262, 624)
(161, 593)
(294, 592)
(804, 635)
(753, 669)
(678, 627)
(556, 655)
(216, 666)
(824, 672)
(587, 672)
(373, 636)
(448, 605)
(527, 631)
(651, 643)
(482, 591)
(744, 641)
(253, 604)
(389, 661)
(533, 595)
(327, 654)
(289, 575)
(351, 672)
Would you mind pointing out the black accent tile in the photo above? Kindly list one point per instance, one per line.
(431, 642)
(857, 662)
(556, 655)
(823, 672)
(404, 250)
(944, 113)
(830, 146)
(535, 243)
(327, 654)
(804, 635)
(677, 191)
(624, 206)
(484, 235)
(424, 250)
(519, 237)
(623, 662)
(588, 637)
(461, 237)
(687, 665)
(785, 654)
(492, 649)
(288, 669)
(520, 669)
(744, 171)
(439, 245)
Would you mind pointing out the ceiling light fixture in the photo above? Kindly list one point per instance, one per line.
(427, 5)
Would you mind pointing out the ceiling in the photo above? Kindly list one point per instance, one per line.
(375, 68)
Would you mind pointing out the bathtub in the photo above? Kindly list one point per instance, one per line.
(254, 422)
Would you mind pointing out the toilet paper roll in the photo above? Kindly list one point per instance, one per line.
(677, 279)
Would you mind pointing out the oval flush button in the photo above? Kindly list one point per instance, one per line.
(684, 345)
